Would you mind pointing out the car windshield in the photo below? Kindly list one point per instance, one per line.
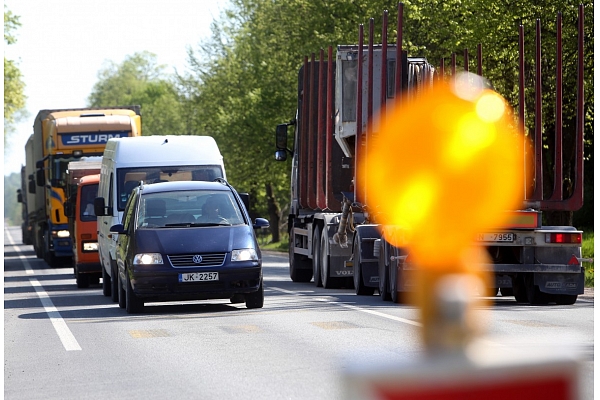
(190, 208)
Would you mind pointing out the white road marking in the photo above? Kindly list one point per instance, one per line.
(60, 326)
(365, 310)
(28, 269)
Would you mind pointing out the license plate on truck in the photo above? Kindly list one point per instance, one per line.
(199, 277)
(496, 237)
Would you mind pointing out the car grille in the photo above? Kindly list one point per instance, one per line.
(187, 260)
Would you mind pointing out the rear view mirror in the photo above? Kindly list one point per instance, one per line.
(39, 177)
(100, 208)
(260, 223)
(281, 135)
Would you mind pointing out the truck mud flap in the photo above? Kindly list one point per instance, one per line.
(560, 283)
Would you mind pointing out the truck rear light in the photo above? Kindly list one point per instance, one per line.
(563, 238)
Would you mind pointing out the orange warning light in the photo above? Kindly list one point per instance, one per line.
(444, 167)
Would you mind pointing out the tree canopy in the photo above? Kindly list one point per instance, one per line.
(14, 86)
(242, 81)
(139, 80)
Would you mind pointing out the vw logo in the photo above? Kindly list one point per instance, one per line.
(197, 259)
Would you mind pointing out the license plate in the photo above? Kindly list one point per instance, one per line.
(495, 237)
(199, 277)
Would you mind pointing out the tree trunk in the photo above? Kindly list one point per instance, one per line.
(273, 209)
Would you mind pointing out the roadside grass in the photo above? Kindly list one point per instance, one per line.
(587, 251)
(265, 241)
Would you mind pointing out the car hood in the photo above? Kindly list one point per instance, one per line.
(220, 239)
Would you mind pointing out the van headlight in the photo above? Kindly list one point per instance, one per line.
(147, 259)
(244, 255)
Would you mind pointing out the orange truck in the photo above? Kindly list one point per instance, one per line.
(84, 177)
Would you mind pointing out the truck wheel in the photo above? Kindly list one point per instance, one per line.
(300, 266)
(565, 299)
(519, 289)
(393, 276)
(114, 290)
(534, 295)
(384, 269)
(359, 286)
(327, 281)
(133, 304)
(106, 283)
(316, 261)
(256, 299)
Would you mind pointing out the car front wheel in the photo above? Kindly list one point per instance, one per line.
(256, 299)
(133, 304)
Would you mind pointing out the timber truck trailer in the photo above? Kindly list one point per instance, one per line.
(59, 137)
(332, 234)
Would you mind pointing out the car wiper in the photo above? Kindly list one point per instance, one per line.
(210, 224)
(179, 224)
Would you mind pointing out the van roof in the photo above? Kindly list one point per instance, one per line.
(164, 150)
(177, 186)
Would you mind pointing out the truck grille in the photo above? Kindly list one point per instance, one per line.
(187, 260)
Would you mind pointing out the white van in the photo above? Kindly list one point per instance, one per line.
(129, 160)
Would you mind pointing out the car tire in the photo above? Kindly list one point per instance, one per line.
(106, 283)
(114, 289)
(122, 293)
(256, 299)
(133, 304)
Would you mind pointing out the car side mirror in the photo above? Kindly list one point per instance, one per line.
(260, 223)
(118, 228)
(19, 197)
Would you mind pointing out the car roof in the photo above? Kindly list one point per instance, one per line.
(183, 185)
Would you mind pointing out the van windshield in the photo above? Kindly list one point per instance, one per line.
(129, 178)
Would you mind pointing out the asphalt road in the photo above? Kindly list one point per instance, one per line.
(61, 342)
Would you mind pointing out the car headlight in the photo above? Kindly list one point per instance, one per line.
(90, 246)
(61, 234)
(244, 255)
(147, 259)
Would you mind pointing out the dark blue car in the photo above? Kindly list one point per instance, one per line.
(188, 241)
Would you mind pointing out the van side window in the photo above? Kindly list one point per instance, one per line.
(110, 191)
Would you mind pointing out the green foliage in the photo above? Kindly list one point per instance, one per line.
(587, 251)
(140, 80)
(14, 86)
(242, 81)
(12, 209)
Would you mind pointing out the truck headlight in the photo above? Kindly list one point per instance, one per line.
(244, 255)
(147, 259)
(90, 246)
